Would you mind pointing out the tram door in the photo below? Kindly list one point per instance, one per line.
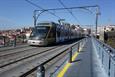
(58, 33)
(51, 35)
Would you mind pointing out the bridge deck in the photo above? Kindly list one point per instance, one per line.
(86, 64)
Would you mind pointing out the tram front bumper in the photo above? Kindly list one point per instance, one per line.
(37, 42)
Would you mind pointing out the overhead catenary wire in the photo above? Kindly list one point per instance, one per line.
(70, 8)
(42, 8)
(69, 11)
(82, 7)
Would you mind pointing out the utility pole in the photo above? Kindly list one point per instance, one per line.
(60, 21)
(96, 21)
(36, 16)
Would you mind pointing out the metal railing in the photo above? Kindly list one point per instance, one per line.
(7, 42)
(69, 49)
(107, 56)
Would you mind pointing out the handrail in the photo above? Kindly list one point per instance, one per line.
(106, 56)
(41, 66)
(109, 50)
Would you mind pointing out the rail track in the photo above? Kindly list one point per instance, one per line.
(17, 56)
(12, 48)
(16, 62)
(29, 61)
(52, 66)
(15, 50)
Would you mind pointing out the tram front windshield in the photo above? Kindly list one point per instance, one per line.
(40, 32)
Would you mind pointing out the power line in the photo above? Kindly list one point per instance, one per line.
(82, 7)
(42, 8)
(69, 11)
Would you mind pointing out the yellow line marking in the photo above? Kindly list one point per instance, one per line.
(62, 72)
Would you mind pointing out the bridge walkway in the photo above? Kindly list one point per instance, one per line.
(86, 64)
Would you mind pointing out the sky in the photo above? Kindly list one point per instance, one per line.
(19, 13)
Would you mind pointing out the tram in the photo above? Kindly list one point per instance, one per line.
(46, 33)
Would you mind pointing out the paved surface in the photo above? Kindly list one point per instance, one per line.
(86, 64)
(82, 65)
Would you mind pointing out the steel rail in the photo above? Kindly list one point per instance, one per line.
(14, 52)
(12, 48)
(25, 58)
